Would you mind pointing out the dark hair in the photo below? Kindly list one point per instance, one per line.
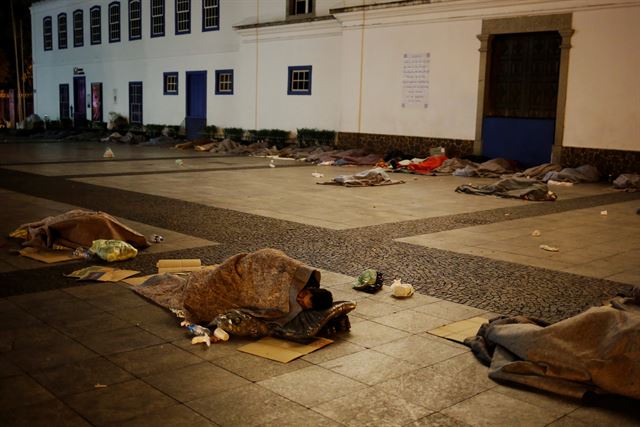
(321, 299)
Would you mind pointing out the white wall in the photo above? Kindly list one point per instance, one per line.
(603, 98)
(316, 44)
(603, 93)
(453, 79)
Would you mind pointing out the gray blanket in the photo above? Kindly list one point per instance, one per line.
(493, 168)
(368, 178)
(584, 173)
(627, 181)
(514, 188)
(597, 351)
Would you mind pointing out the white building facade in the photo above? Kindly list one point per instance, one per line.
(532, 80)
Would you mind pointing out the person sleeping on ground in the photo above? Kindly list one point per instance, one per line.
(264, 290)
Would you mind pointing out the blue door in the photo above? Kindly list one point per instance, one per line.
(520, 114)
(196, 119)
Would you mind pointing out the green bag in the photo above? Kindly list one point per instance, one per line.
(113, 250)
(369, 281)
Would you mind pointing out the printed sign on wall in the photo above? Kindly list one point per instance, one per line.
(415, 80)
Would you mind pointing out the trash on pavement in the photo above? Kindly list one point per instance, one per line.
(156, 238)
(82, 252)
(271, 164)
(604, 213)
(549, 248)
(108, 154)
(178, 265)
(113, 250)
(401, 290)
(536, 233)
(317, 175)
(179, 162)
(221, 334)
(201, 339)
(369, 281)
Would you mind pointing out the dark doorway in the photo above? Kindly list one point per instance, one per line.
(63, 94)
(196, 119)
(79, 100)
(520, 112)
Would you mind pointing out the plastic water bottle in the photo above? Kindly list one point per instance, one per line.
(198, 330)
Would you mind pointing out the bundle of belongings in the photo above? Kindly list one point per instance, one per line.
(515, 188)
(419, 166)
(595, 352)
(77, 228)
(584, 173)
(628, 182)
(368, 178)
(253, 294)
(493, 168)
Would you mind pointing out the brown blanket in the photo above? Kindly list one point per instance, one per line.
(596, 351)
(79, 228)
(263, 283)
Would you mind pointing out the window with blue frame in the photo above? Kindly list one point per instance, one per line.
(170, 83)
(47, 33)
(299, 80)
(183, 16)
(62, 31)
(135, 20)
(95, 25)
(210, 15)
(114, 22)
(78, 28)
(157, 18)
(224, 82)
(135, 103)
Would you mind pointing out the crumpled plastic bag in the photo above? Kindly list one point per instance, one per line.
(369, 281)
(113, 250)
(401, 290)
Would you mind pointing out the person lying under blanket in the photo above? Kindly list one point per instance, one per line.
(252, 294)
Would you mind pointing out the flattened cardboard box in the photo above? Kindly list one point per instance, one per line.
(48, 256)
(459, 331)
(282, 350)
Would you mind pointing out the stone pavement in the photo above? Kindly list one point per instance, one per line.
(467, 256)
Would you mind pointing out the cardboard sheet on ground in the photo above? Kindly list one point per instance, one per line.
(282, 350)
(102, 274)
(137, 281)
(48, 256)
(458, 331)
(178, 265)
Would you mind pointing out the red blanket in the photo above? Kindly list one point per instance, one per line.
(428, 165)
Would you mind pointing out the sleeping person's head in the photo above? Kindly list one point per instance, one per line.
(314, 299)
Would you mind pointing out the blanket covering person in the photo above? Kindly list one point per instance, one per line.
(77, 228)
(597, 351)
(368, 178)
(514, 188)
(262, 283)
